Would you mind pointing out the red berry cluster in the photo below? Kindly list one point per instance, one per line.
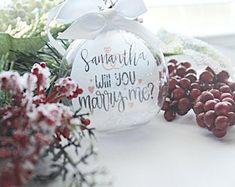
(211, 95)
(181, 89)
(215, 111)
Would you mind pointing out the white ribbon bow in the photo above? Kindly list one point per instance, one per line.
(90, 17)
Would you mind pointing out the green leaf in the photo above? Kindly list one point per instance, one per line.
(5, 99)
(5, 43)
(9, 44)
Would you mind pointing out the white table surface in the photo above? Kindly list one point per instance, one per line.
(175, 154)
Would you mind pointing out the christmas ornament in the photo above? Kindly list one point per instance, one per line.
(119, 64)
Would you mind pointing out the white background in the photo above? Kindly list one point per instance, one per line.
(183, 2)
(177, 154)
(191, 17)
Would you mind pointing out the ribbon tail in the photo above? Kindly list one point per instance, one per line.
(52, 40)
(130, 9)
(67, 12)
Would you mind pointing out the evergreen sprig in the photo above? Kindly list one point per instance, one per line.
(64, 166)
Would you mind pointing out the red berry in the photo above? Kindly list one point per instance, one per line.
(225, 95)
(172, 84)
(43, 65)
(191, 76)
(174, 105)
(206, 77)
(166, 105)
(219, 133)
(195, 85)
(230, 100)
(216, 93)
(35, 71)
(230, 105)
(80, 91)
(178, 93)
(173, 61)
(225, 89)
(66, 132)
(231, 117)
(222, 108)
(180, 71)
(219, 84)
(209, 105)
(184, 105)
(209, 118)
(222, 122)
(233, 95)
(210, 70)
(185, 83)
(169, 115)
(232, 85)
(205, 96)
(200, 120)
(171, 67)
(191, 70)
(195, 93)
(186, 64)
(223, 76)
(85, 122)
(198, 108)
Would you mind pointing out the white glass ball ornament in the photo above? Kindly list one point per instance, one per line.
(122, 78)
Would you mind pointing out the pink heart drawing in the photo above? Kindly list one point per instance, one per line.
(107, 50)
(91, 89)
(131, 105)
(140, 81)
